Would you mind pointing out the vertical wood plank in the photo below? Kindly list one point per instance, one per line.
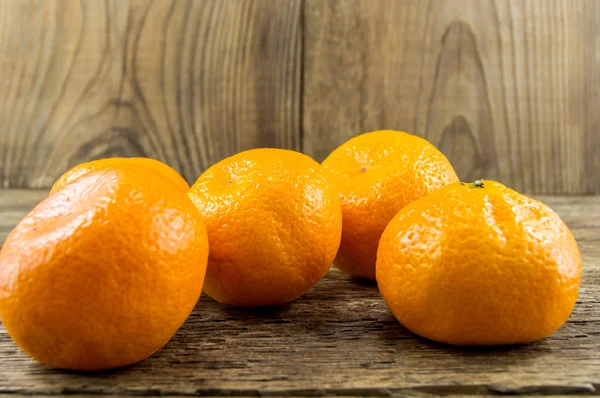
(505, 88)
(186, 82)
(60, 67)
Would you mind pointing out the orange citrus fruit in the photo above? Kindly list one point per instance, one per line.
(479, 264)
(274, 224)
(377, 174)
(153, 164)
(102, 273)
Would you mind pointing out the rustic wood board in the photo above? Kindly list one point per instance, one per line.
(339, 339)
(507, 89)
(185, 82)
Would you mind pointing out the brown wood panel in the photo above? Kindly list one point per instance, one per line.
(186, 82)
(507, 89)
(338, 339)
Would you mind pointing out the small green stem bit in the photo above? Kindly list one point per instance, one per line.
(476, 184)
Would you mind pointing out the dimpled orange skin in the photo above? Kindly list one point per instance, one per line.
(87, 167)
(377, 174)
(274, 224)
(479, 266)
(102, 273)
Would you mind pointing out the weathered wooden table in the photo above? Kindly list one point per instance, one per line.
(339, 339)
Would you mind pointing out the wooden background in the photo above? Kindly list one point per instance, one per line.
(507, 89)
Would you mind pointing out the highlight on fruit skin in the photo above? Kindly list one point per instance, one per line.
(84, 168)
(479, 264)
(102, 273)
(377, 174)
(274, 224)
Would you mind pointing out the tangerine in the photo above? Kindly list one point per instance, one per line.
(377, 174)
(479, 264)
(102, 273)
(274, 224)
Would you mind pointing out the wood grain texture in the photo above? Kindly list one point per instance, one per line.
(507, 89)
(186, 82)
(339, 339)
